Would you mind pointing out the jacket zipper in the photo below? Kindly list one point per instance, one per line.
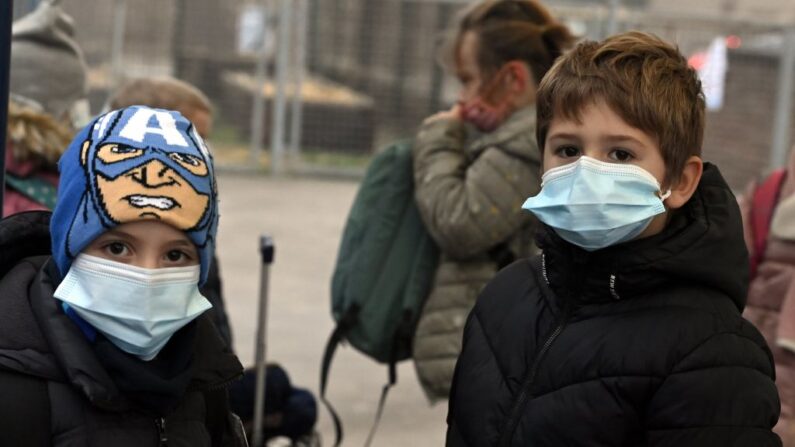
(161, 432)
(507, 435)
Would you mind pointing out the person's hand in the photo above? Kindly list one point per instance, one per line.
(453, 114)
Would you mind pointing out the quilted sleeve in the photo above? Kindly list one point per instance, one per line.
(722, 393)
(469, 206)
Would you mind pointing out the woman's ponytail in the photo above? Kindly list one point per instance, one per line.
(556, 38)
(514, 30)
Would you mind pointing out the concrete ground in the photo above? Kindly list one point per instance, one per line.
(306, 217)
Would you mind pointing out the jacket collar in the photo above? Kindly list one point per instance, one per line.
(71, 350)
(702, 245)
(516, 134)
(23, 235)
(213, 363)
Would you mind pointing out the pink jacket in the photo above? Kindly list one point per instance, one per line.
(771, 303)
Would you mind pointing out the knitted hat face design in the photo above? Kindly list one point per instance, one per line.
(135, 164)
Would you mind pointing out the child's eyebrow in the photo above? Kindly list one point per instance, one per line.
(118, 234)
(563, 135)
(622, 139)
(181, 243)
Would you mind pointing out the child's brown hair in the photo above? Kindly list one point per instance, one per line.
(643, 79)
(510, 30)
(162, 93)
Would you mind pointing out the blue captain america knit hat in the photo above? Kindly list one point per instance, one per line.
(134, 164)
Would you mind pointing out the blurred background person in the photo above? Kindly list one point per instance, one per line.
(173, 94)
(290, 412)
(471, 183)
(47, 103)
(768, 209)
(169, 93)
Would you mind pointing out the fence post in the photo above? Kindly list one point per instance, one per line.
(117, 43)
(258, 95)
(406, 31)
(178, 37)
(367, 35)
(443, 13)
(6, 18)
(313, 36)
(783, 117)
(296, 119)
(280, 97)
(612, 16)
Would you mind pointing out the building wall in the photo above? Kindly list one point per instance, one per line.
(780, 11)
(738, 138)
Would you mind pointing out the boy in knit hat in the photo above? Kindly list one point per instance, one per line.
(174, 94)
(106, 342)
(47, 102)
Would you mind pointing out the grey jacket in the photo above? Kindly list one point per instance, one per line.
(469, 195)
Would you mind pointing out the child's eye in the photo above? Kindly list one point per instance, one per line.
(620, 155)
(567, 151)
(177, 256)
(117, 249)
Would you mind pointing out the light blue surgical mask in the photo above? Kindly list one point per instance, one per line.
(137, 309)
(594, 204)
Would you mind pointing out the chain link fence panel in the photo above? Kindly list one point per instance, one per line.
(346, 77)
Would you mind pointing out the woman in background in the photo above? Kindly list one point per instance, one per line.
(475, 164)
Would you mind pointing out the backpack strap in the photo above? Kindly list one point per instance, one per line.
(345, 323)
(763, 205)
(402, 335)
(343, 326)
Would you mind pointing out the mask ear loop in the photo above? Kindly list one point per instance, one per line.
(665, 196)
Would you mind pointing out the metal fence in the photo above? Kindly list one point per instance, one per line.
(300, 85)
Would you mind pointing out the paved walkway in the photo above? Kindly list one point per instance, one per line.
(305, 217)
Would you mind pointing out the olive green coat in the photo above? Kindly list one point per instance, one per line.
(469, 195)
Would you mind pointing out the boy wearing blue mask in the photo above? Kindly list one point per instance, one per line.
(105, 342)
(626, 331)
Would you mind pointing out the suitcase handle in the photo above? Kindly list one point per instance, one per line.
(266, 249)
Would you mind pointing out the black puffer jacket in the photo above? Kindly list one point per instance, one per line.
(58, 389)
(640, 344)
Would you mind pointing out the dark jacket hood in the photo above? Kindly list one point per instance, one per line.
(23, 235)
(37, 338)
(702, 246)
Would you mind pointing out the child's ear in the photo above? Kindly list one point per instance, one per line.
(519, 76)
(686, 186)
